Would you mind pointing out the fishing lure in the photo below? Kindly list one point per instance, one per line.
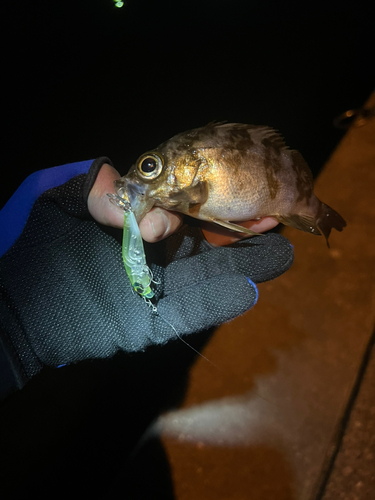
(133, 256)
(133, 253)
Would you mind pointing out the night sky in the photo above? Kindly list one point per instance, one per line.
(82, 79)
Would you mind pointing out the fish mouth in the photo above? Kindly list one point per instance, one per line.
(135, 194)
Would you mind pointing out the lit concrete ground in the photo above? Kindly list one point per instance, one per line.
(352, 475)
(265, 422)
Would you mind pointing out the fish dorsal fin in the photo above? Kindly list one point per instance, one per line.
(217, 123)
(238, 136)
(268, 137)
(258, 134)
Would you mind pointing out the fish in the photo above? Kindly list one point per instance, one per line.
(226, 173)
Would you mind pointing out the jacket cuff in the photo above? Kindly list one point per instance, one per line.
(14, 214)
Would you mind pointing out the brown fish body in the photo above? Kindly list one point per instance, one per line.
(226, 173)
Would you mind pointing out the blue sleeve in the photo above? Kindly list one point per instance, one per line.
(15, 212)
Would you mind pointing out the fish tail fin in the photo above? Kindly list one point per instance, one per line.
(326, 219)
(321, 223)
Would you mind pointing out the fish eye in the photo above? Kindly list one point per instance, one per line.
(150, 165)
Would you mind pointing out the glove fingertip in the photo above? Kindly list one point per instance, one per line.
(255, 290)
(211, 303)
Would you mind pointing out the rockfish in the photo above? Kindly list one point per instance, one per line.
(226, 173)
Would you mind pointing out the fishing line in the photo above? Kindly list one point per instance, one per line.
(155, 310)
(179, 336)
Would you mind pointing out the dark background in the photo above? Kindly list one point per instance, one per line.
(82, 79)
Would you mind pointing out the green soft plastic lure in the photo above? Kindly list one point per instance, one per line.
(133, 253)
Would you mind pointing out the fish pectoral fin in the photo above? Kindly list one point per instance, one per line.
(303, 222)
(192, 194)
(235, 227)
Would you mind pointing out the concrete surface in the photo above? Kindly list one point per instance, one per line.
(264, 422)
(352, 476)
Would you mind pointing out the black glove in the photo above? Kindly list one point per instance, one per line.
(66, 296)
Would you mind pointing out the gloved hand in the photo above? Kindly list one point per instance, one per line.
(201, 286)
(66, 296)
